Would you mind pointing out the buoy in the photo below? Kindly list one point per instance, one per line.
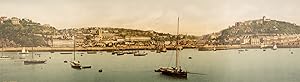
(100, 70)
(292, 52)
(190, 57)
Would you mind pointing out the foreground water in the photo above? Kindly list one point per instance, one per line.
(254, 65)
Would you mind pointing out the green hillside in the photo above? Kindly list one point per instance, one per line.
(261, 27)
(26, 33)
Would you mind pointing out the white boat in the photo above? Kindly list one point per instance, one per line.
(24, 51)
(274, 47)
(214, 49)
(76, 64)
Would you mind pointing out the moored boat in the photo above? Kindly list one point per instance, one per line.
(140, 54)
(4, 57)
(120, 53)
(24, 51)
(274, 47)
(176, 71)
(91, 52)
(34, 61)
(75, 64)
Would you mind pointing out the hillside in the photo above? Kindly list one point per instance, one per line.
(261, 27)
(123, 32)
(23, 32)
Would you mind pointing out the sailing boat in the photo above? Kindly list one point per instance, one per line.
(274, 47)
(75, 64)
(176, 71)
(24, 51)
(34, 61)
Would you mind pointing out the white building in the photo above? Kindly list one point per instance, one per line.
(15, 20)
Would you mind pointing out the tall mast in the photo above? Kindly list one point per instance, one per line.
(177, 43)
(32, 52)
(32, 47)
(52, 40)
(2, 49)
(74, 46)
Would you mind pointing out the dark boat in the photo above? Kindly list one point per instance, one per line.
(114, 52)
(34, 61)
(91, 52)
(86, 66)
(66, 53)
(172, 71)
(120, 53)
(241, 50)
(176, 71)
(130, 52)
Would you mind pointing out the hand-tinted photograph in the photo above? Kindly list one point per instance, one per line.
(149, 41)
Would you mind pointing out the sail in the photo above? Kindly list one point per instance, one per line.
(275, 47)
(23, 50)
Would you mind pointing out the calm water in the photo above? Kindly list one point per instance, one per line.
(254, 65)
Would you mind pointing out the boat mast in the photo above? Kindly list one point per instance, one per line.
(52, 41)
(177, 43)
(32, 52)
(32, 47)
(2, 49)
(74, 46)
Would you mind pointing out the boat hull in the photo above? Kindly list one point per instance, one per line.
(75, 65)
(172, 72)
(175, 74)
(34, 61)
(140, 54)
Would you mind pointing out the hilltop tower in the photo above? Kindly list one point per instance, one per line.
(263, 19)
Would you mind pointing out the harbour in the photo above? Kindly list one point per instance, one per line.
(254, 65)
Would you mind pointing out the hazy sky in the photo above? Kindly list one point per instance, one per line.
(197, 16)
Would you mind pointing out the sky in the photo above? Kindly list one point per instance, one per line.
(197, 17)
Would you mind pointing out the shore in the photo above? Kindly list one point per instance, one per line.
(201, 48)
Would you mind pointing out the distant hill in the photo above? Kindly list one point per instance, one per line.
(23, 32)
(123, 32)
(261, 27)
(16, 32)
(252, 28)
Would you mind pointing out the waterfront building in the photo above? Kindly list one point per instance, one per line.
(255, 41)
